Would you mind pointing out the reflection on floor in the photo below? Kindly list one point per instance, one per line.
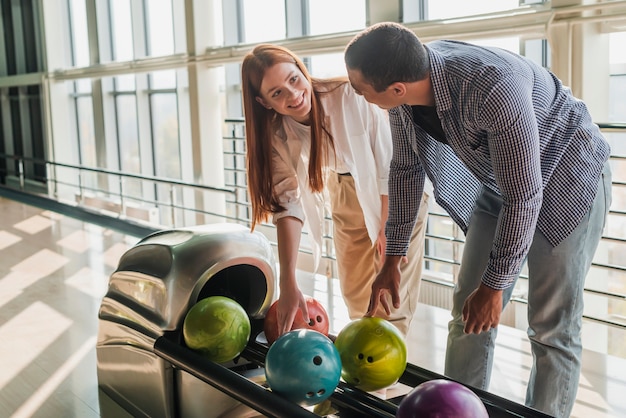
(54, 272)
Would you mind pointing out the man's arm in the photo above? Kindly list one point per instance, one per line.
(406, 183)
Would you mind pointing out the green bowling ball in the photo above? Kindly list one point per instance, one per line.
(217, 327)
(373, 353)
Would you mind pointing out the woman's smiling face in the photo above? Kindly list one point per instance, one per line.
(285, 89)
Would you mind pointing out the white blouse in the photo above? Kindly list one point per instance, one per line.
(363, 147)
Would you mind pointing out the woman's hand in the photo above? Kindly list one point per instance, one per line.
(291, 299)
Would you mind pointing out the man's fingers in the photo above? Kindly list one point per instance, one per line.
(395, 298)
(465, 310)
(385, 303)
(373, 304)
(476, 328)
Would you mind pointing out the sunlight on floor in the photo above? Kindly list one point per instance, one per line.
(30, 331)
(54, 272)
(37, 399)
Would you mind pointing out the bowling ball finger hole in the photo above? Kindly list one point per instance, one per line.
(369, 359)
(320, 392)
(317, 360)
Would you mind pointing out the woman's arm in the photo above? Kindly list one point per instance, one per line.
(290, 298)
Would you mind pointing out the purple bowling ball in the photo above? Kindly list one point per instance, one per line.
(441, 398)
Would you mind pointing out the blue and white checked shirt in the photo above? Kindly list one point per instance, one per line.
(511, 126)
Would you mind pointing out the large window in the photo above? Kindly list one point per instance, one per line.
(264, 21)
(346, 15)
(21, 106)
(159, 27)
(79, 33)
(166, 147)
(121, 30)
(447, 9)
(86, 139)
(128, 140)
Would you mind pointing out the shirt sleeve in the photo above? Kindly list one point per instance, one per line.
(286, 188)
(380, 141)
(508, 117)
(406, 184)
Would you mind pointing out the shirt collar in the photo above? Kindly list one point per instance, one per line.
(443, 99)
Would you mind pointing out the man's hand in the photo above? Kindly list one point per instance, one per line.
(387, 281)
(482, 309)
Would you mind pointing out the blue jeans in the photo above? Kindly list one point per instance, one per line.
(556, 277)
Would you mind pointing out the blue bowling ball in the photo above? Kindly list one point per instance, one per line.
(303, 366)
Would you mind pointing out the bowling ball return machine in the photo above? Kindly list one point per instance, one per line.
(145, 368)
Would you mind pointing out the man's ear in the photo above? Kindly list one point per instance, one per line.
(263, 102)
(398, 89)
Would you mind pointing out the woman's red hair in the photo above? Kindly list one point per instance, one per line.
(262, 124)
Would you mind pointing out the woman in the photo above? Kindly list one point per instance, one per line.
(303, 134)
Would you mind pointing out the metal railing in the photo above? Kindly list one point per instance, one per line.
(104, 190)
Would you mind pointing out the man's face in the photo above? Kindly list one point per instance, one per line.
(385, 99)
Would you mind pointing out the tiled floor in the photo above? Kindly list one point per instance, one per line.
(54, 272)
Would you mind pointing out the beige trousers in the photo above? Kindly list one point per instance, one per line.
(358, 261)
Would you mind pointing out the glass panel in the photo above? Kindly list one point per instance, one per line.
(328, 65)
(163, 80)
(617, 52)
(160, 27)
(80, 40)
(166, 152)
(86, 136)
(443, 251)
(446, 9)
(346, 15)
(538, 50)
(121, 30)
(35, 105)
(617, 104)
(264, 20)
(83, 85)
(511, 43)
(125, 82)
(616, 224)
(86, 140)
(127, 131)
(165, 135)
(16, 123)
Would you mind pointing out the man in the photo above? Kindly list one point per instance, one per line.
(518, 164)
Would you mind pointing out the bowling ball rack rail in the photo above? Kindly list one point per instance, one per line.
(350, 401)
